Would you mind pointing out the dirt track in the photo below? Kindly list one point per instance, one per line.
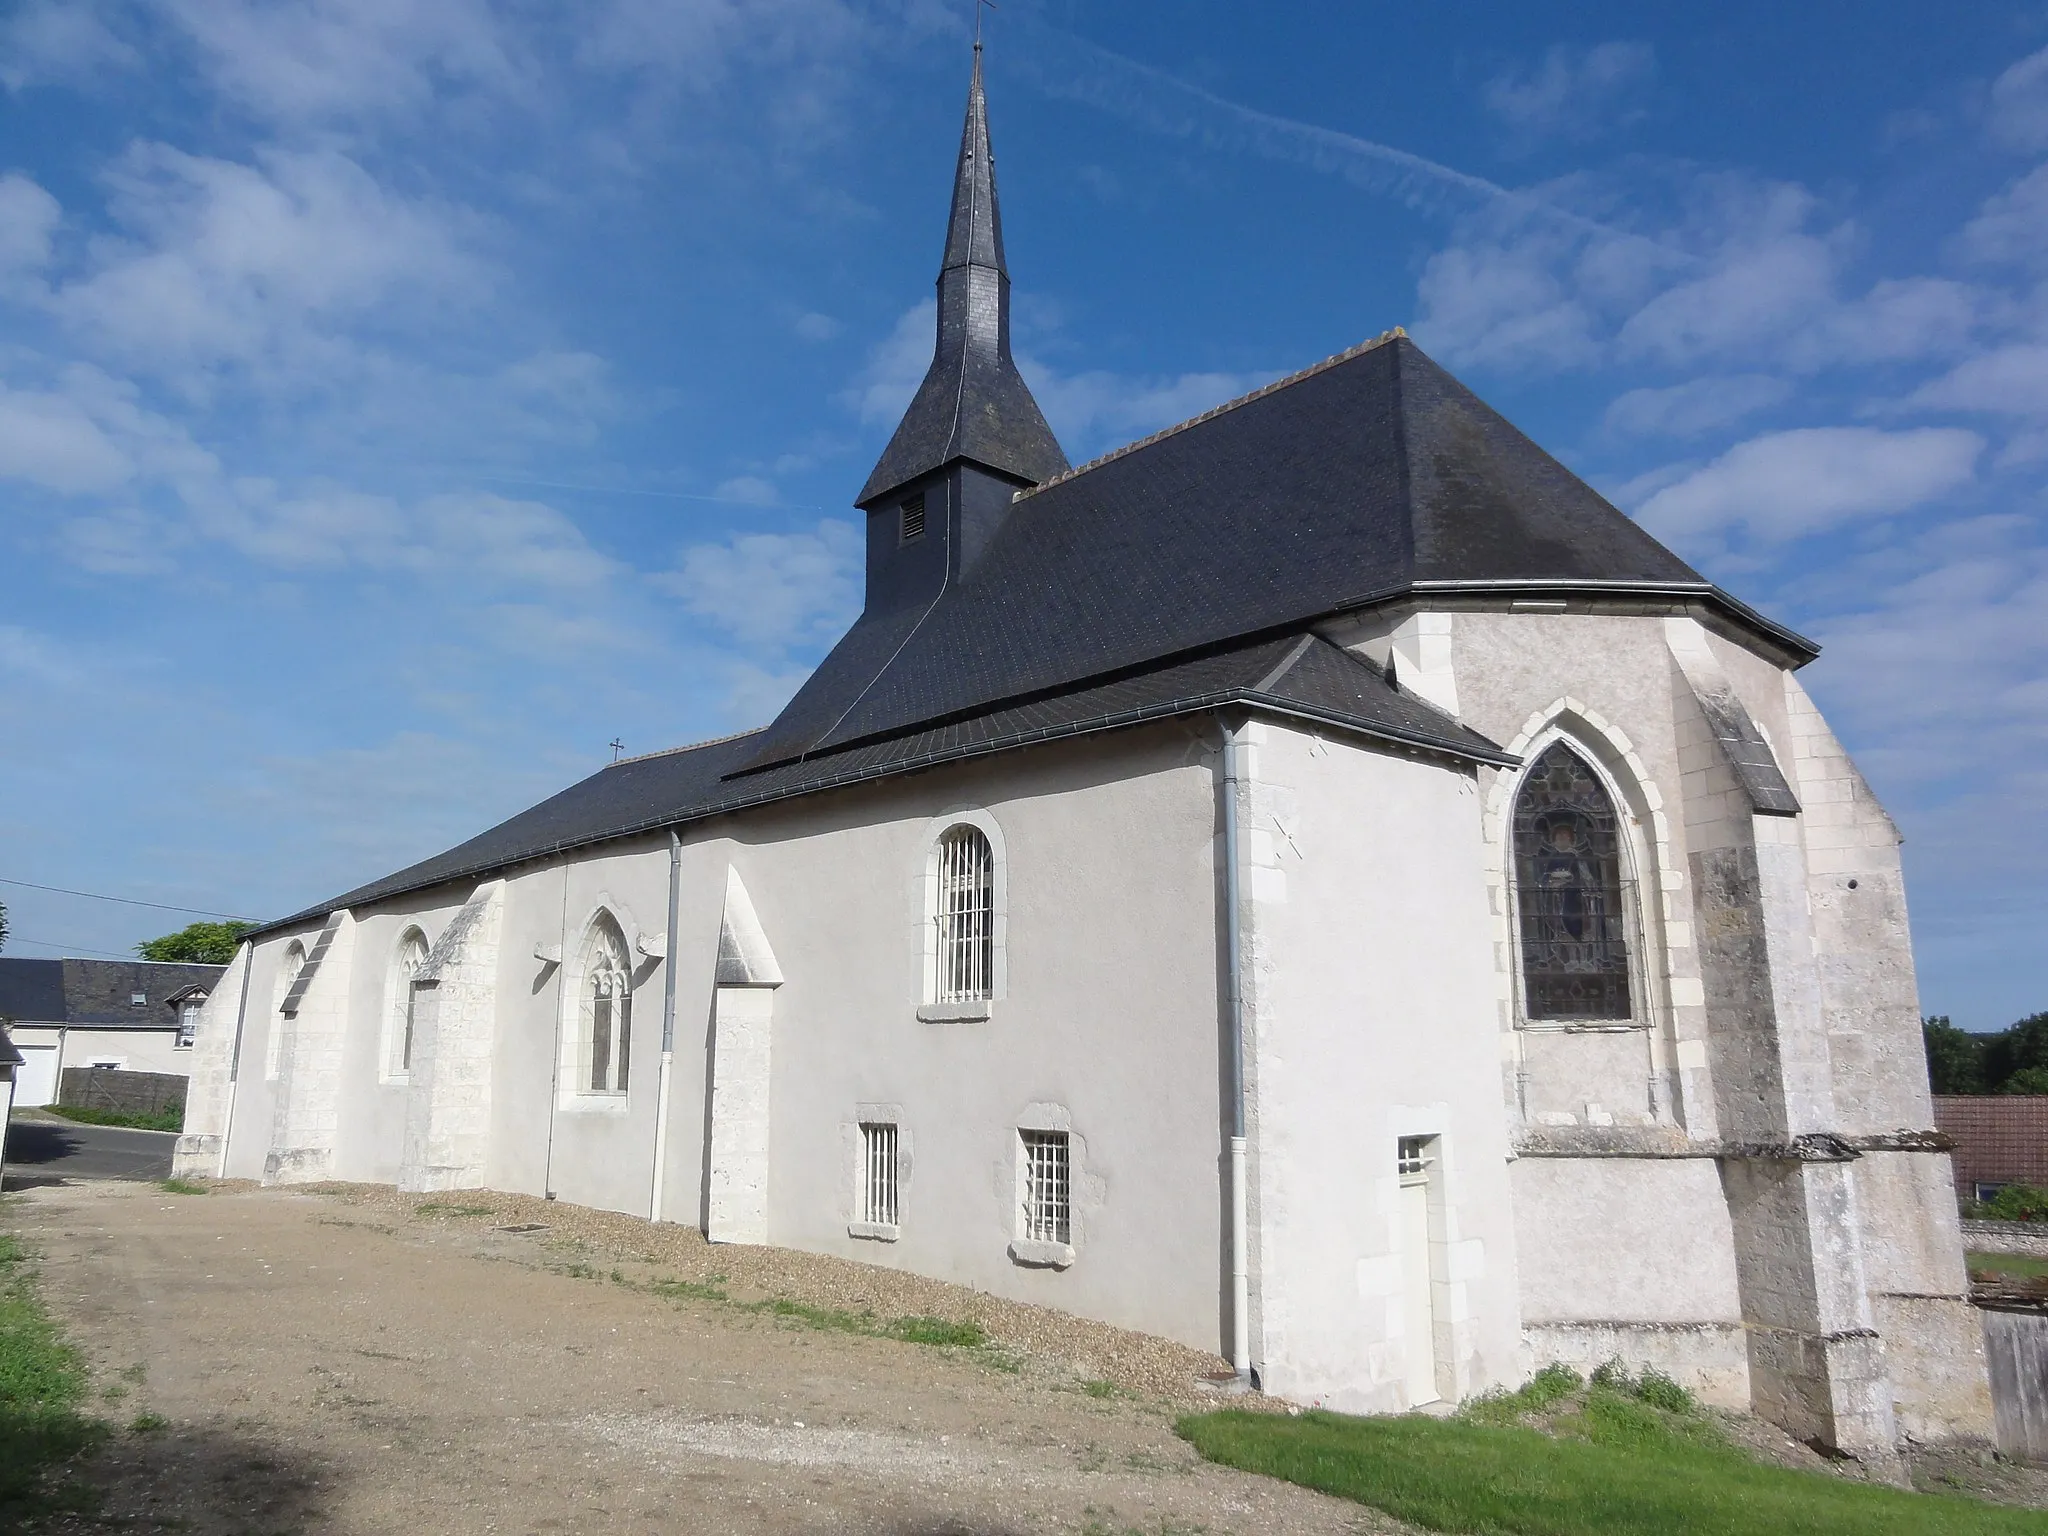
(333, 1367)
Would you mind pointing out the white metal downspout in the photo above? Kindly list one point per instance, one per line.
(668, 1026)
(235, 1058)
(1240, 1262)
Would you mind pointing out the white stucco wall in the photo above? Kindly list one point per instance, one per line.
(1374, 1019)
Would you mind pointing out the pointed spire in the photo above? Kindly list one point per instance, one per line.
(973, 404)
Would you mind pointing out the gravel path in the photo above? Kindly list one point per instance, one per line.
(1051, 1341)
(358, 1361)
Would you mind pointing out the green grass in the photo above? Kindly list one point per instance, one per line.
(170, 1120)
(2009, 1264)
(42, 1389)
(907, 1330)
(438, 1208)
(181, 1187)
(1614, 1463)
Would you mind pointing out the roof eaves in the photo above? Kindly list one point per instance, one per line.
(1790, 639)
(1036, 736)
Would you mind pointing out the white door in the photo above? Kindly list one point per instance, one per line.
(1417, 1302)
(35, 1080)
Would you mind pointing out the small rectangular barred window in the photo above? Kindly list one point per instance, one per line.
(1048, 1210)
(1411, 1154)
(878, 1174)
(913, 518)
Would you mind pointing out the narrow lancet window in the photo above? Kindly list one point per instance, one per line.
(1569, 893)
(405, 999)
(608, 1012)
(966, 916)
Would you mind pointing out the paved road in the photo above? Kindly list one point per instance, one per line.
(47, 1149)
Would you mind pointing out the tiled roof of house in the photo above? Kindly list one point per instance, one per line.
(2000, 1138)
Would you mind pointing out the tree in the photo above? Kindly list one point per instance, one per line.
(2013, 1056)
(196, 944)
(1955, 1057)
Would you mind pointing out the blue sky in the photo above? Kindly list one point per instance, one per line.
(399, 402)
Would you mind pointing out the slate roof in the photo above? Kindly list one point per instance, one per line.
(97, 992)
(1370, 476)
(1299, 675)
(973, 404)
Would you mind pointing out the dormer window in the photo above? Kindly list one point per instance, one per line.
(912, 512)
(138, 999)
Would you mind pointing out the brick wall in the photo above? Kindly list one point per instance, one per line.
(2000, 1138)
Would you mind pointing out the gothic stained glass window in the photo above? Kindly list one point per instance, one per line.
(1568, 893)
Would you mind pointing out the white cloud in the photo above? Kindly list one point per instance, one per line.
(89, 434)
(47, 40)
(1696, 406)
(303, 61)
(812, 326)
(2019, 104)
(749, 489)
(896, 365)
(28, 218)
(260, 264)
(50, 440)
(1573, 91)
(774, 591)
(2008, 380)
(1098, 410)
(1741, 276)
(1786, 485)
(1506, 304)
(2013, 225)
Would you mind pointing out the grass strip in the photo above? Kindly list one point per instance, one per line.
(2021, 1264)
(1629, 1476)
(170, 1120)
(42, 1386)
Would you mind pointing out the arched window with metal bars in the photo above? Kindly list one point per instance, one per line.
(1570, 893)
(964, 915)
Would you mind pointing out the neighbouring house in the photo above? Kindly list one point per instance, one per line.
(135, 1015)
(10, 1068)
(1319, 883)
(2000, 1139)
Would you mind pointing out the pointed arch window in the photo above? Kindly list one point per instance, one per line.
(965, 916)
(607, 1011)
(404, 1000)
(1570, 893)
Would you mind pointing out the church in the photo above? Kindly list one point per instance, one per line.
(1318, 883)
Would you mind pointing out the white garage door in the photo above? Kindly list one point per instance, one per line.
(35, 1080)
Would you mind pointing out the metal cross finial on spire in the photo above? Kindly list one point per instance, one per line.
(978, 4)
(618, 748)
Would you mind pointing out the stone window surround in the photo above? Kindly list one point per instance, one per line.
(876, 1114)
(1628, 827)
(1645, 859)
(925, 896)
(391, 1069)
(1026, 1252)
(571, 1026)
(1654, 876)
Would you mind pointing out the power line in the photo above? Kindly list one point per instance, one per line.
(15, 938)
(233, 917)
